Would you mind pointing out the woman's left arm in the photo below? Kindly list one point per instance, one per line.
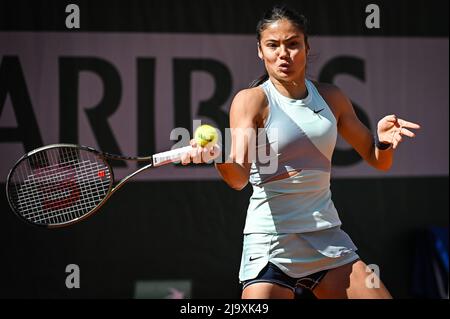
(390, 130)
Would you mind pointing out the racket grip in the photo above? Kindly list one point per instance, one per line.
(170, 156)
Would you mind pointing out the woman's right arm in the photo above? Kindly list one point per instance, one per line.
(246, 115)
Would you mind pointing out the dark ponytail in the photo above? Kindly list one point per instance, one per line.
(263, 78)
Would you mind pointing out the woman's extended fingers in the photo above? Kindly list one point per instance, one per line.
(391, 129)
(396, 139)
(403, 123)
(391, 118)
(403, 128)
(406, 132)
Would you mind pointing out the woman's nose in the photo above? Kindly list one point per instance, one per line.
(283, 52)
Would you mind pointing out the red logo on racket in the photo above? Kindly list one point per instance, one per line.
(61, 193)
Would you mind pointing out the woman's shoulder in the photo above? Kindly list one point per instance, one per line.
(327, 88)
(250, 103)
(332, 94)
(254, 93)
(253, 98)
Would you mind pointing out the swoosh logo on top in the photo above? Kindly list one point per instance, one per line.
(254, 258)
(318, 111)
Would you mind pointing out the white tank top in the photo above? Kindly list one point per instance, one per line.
(303, 133)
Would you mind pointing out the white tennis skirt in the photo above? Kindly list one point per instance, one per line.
(297, 255)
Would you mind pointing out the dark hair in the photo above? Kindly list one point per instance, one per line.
(279, 12)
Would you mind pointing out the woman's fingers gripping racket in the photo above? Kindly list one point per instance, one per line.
(200, 155)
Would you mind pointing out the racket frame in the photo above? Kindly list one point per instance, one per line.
(155, 160)
(111, 189)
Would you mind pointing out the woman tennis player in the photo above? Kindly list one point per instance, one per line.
(292, 234)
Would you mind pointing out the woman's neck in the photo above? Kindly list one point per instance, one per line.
(291, 89)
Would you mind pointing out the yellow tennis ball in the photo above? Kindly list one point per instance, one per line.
(205, 136)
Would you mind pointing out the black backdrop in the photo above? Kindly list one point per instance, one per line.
(193, 229)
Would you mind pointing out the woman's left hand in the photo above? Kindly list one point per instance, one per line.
(391, 129)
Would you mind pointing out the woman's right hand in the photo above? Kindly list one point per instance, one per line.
(200, 155)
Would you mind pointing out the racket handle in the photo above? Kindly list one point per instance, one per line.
(170, 156)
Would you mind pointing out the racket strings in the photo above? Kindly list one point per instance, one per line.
(45, 184)
(78, 193)
(67, 192)
(61, 202)
(59, 185)
(30, 186)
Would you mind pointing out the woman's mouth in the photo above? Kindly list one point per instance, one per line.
(284, 67)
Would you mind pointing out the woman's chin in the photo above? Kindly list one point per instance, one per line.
(286, 77)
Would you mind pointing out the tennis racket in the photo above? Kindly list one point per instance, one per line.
(61, 184)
